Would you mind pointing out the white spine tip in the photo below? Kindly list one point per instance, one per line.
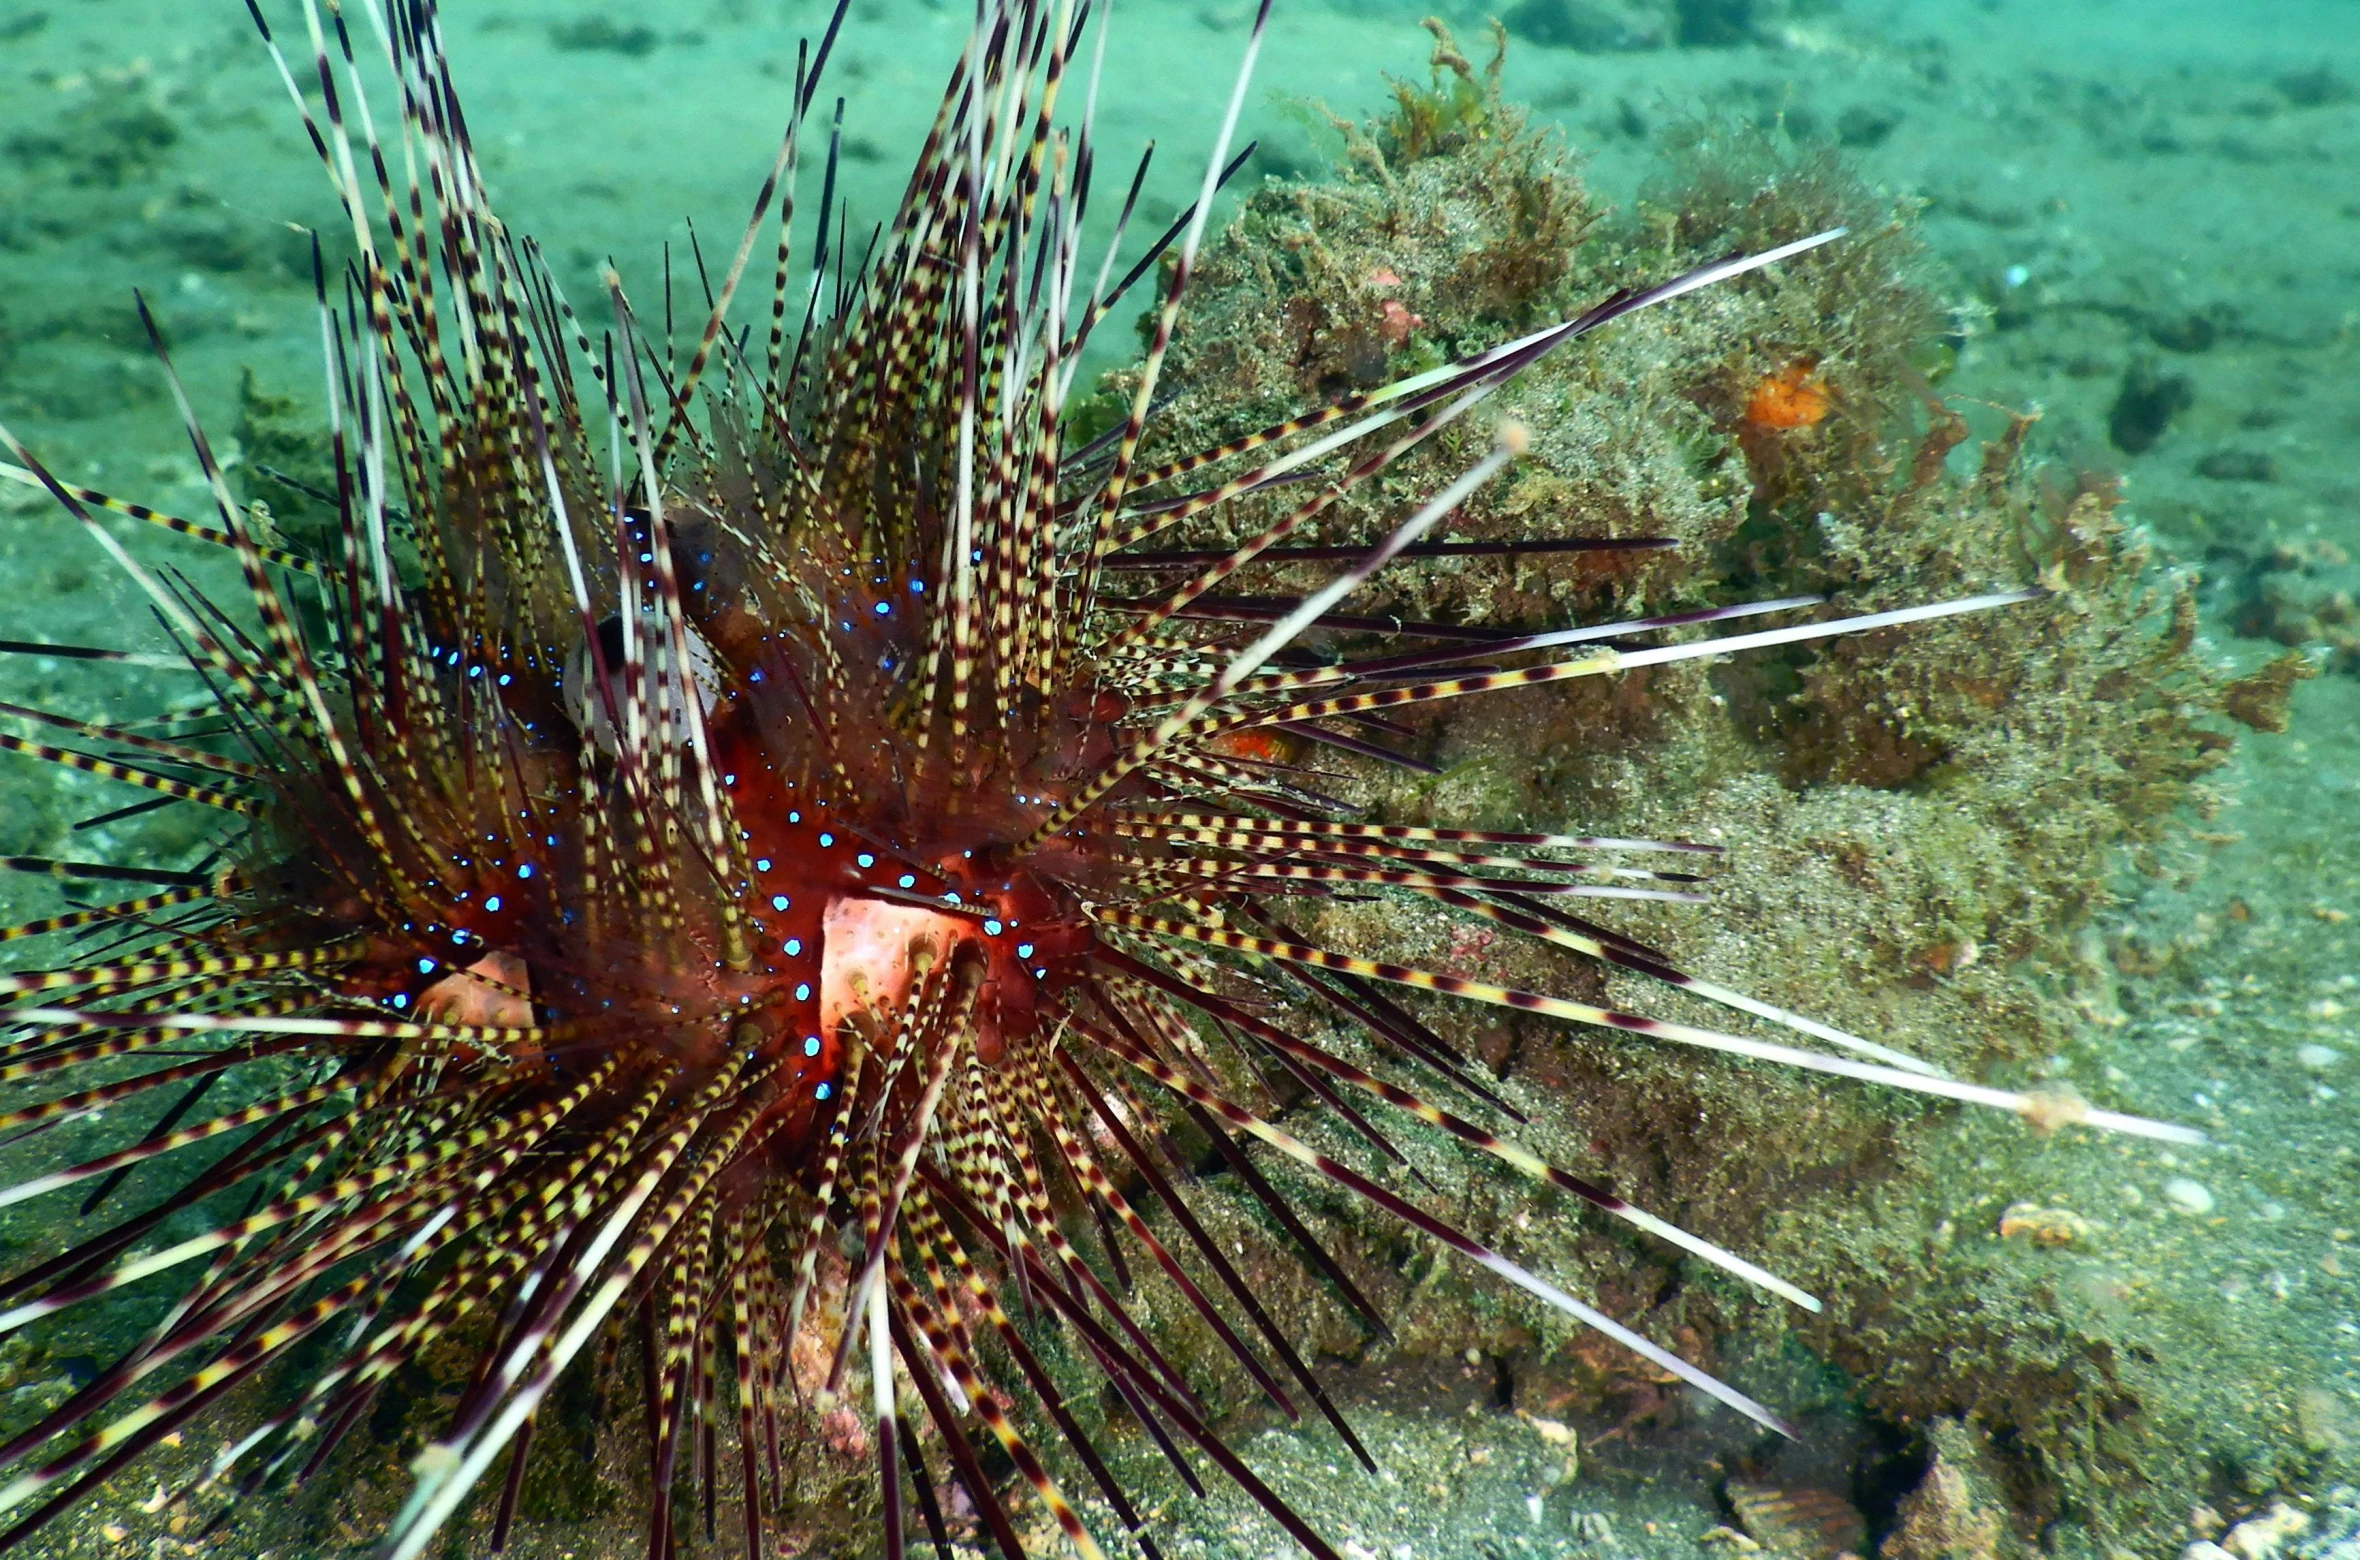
(435, 1462)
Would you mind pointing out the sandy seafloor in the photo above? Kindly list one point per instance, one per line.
(2161, 187)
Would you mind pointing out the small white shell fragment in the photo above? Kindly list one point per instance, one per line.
(2188, 1196)
(2259, 1538)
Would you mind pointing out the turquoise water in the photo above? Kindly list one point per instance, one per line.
(2144, 219)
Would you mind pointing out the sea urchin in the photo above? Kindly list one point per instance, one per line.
(706, 810)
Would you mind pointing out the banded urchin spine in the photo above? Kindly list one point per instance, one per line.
(714, 806)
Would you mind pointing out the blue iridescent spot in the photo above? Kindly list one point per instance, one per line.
(992, 928)
(493, 904)
(811, 1045)
(1024, 950)
(762, 863)
(794, 817)
(525, 870)
(778, 901)
(425, 966)
(865, 859)
(826, 840)
(820, 1093)
(400, 1000)
(794, 946)
(884, 607)
(803, 992)
(907, 881)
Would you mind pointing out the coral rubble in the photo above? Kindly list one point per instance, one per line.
(1922, 824)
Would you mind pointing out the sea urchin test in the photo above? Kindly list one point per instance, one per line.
(702, 812)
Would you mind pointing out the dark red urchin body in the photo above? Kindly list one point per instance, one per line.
(748, 822)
